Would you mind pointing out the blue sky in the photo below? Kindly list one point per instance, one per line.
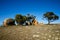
(9, 8)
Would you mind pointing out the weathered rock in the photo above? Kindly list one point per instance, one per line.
(8, 22)
(34, 22)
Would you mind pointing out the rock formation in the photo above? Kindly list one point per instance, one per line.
(8, 22)
(34, 22)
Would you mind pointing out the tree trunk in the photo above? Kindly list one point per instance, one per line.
(48, 21)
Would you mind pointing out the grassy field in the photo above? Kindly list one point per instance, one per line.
(38, 32)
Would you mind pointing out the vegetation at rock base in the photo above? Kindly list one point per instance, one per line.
(20, 19)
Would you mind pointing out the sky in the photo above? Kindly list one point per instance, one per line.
(9, 8)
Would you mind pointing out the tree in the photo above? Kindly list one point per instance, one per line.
(30, 18)
(20, 19)
(50, 16)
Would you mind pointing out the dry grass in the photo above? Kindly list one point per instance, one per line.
(38, 32)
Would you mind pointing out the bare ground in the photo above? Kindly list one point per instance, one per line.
(38, 32)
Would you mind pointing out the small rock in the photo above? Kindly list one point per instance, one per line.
(44, 37)
(46, 34)
(38, 32)
(58, 34)
(57, 31)
(56, 38)
(35, 35)
(49, 36)
(48, 39)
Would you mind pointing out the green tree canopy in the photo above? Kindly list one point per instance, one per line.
(20, 18)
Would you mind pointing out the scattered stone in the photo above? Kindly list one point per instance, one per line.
(38, 39)
(52, 37)
(49, 36)
(53, 34)
(56, 38)
(58, 34)
(38, 32)
(49, 31)
(30, 33)
(26, 26)
(57, 31)
(42, 33)
(46, 34)
(35, 35)
(26, 37)
(44, 37)
(48, 39)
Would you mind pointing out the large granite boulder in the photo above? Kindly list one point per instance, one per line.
(8, 22)
(34, 22)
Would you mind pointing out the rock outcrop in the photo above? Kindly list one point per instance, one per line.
(34, 22)
(8, 22)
